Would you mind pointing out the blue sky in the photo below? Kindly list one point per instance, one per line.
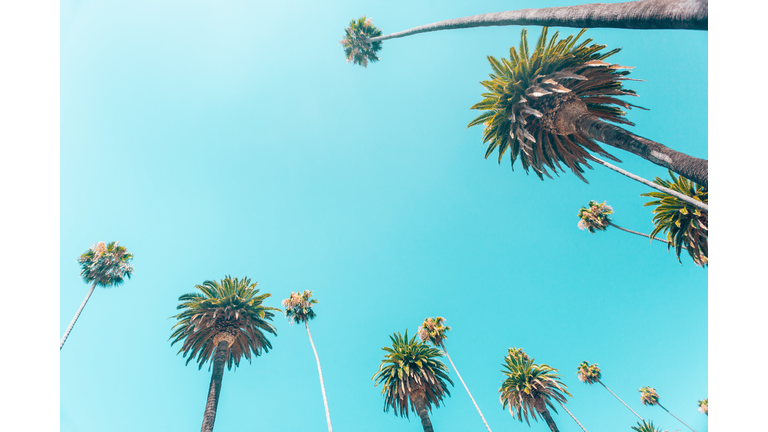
(232, 139)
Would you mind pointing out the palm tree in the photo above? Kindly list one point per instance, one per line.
(225, 321)
(530, 388)
(684, 224)
(298, 309)
(646, 427)
(105, 265)
(643, 14)
(551, 106)
(591, 374)
(704, 406)
(412, 375)
(356, 42)
(595, 218)
(433, 330)
(649, 397)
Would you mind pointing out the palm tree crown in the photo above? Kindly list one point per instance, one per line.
(298, 307)
(357, 47)
(229, 310)
(106, 264)
(433, 330)
(704, 406)
(595, 217)
(410, 368)
(646, 426)
(526, 92)
(589, 374)
(649, 396)
(529, 388)
(684, 224)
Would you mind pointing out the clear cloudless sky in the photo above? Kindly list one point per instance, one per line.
(231, 138)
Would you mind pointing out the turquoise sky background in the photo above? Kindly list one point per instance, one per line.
(232, 138)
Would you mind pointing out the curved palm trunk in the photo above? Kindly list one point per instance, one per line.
(421, 409)
(548, 418)
(690, 167)
(614, 394)
(640, 234)
(209, 417)
(77, 315)
(643, 14)
(465, 387)
(675, 417)
(685, 198)
(320, 372)
(574, 418)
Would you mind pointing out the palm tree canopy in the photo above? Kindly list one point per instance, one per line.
(106, 264)
(684, 224)
(595, 217)
(357, 48)
(589, 374)
(704, 406)
(526, 93)
(646, 426)
(649, 396)
(434, 329)
(298, 307)
(411, 367)
(529, 387)
(231, 309)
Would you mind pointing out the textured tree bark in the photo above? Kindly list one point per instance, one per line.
(419, 400)
(219, 359)
(77, 315)
(322, 385)
(548, 418)
(642, 14)
(466, 388)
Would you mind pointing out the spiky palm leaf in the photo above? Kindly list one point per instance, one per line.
(649, 396)
(433, 330)
(526, 91)
(589, 374)
(529, 387)
(230, 309)
(704, 406)
(106, 264)
(410, 367)
(298, 307)
(595, 217)
(684, 224)
(646, 426)
(357, 47)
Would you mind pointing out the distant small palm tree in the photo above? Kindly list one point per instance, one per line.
(685, 225)
(646, 427)
(649, 397)
(357, 47)
(105, 265)
(591, 374)
(704, 406)
(531, 388)
(225, 321)
(434, 330)
(298, 309)
(413, 376)
(595, 217)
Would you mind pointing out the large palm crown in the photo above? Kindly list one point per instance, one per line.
(106, 264)
(529, 93)
(433, 330)
(411, 369)
(589, 374)
(528, 387)
(649, 396)
(357, 48)
(684, 224)
(298, 307)
(229, 310)
(595, 217)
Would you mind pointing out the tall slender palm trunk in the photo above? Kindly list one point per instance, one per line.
(77, 315)
(643, 14)
(214, 390)
(675, 416)
(320, 372)
(418, 399)
(572, 416)
(614, 394)
(548, 418)
(465, 387)
(640, 234)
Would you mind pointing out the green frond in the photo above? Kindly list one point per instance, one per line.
(356, 42)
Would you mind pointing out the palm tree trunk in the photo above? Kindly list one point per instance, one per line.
(77, 315)
(675, 416)
(640, 234)
(685, 198)
(574, 418)
(209, 417)
(418, 399)
(320, 372)
(690, 167)
(614, 394)
(642, 14)
(548, 418)
(465, 387)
